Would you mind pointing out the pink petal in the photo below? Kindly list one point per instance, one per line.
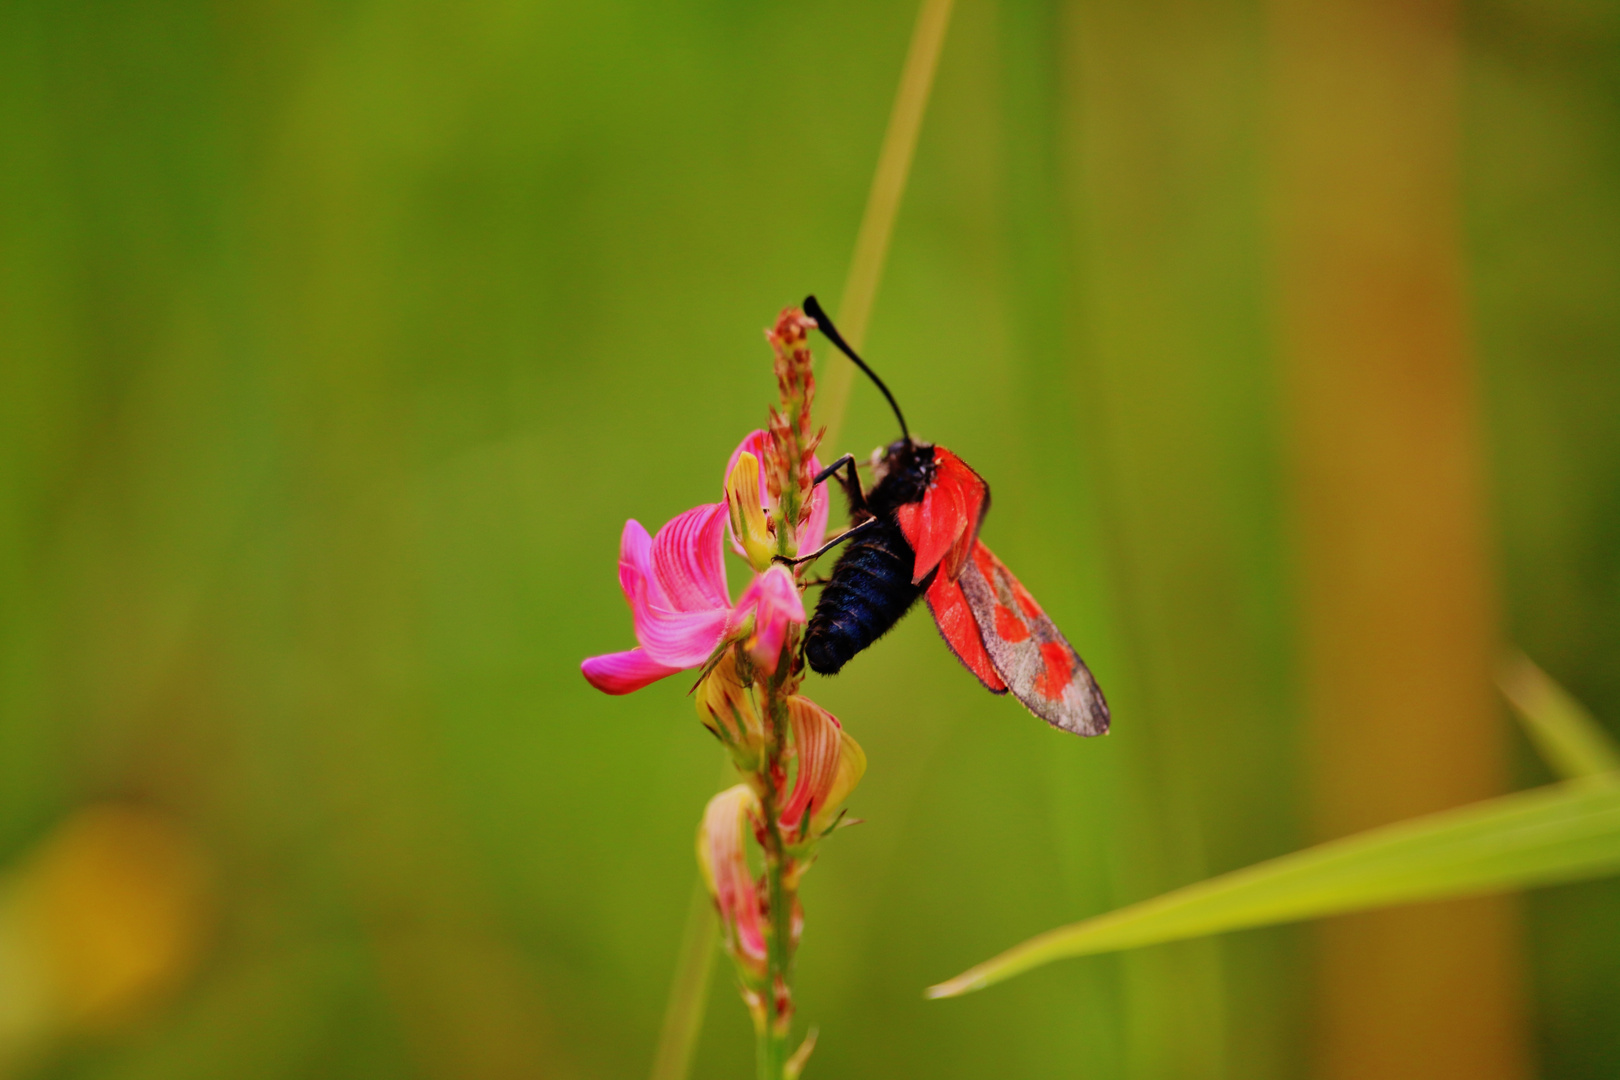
(622, 672)
(775, 601)
(775, 594)
(815, 529)
(688, 560)
(636, 565)
(672, 637)
(678, 638)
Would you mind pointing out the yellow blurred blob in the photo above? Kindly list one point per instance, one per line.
(97, 925)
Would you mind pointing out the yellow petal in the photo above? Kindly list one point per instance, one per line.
(851, 767)
(748, 523)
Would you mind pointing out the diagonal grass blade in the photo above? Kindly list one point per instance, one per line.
(1564, 832)
(1571, 742)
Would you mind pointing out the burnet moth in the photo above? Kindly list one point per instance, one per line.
(916, 534)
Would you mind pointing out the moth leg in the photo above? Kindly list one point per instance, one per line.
(850, 481)
(848, 534)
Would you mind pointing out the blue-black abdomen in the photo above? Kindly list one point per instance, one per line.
(869, 590)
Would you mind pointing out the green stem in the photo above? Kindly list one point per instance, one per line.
(773, 1038)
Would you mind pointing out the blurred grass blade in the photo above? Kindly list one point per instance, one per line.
(1565, 832)
(689, 992)
(1571, 742)
(883, 202)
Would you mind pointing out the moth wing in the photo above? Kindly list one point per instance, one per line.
(942, 527)
(1029, 653)
(960, 629)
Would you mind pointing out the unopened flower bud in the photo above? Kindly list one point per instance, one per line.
(726, 708)
(724, 859)
(830, 765)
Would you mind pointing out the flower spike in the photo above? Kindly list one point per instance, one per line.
(797, 762)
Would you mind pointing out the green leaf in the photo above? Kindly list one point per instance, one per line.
(1564, 832)
(1567, 737)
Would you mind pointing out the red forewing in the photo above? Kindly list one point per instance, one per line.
(943, 526)
(1031, 657)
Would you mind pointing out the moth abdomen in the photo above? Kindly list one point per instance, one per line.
(870, 589)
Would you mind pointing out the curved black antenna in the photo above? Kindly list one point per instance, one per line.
(812, 308)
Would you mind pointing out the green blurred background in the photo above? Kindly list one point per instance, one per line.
(338, 340)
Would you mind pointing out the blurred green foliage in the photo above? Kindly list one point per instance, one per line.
(337, 341)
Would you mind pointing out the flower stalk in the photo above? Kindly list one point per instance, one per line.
(790, 468)
(780, 899)
(796, 762)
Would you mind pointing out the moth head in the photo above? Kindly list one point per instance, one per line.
(904, 455)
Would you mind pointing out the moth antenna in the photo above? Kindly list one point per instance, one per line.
(812, 308)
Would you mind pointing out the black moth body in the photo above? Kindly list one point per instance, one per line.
(870, 587)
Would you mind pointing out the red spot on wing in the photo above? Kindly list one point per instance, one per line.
(1009, 625)
(1031, 656)
(1058, 671)
(960, 629)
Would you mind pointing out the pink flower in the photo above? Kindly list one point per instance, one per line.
(676, 585)
(815, 526)
(774, 599)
